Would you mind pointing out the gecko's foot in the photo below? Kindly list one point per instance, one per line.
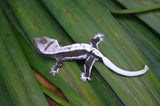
(100, 36)
(84, 78)
(53, 72)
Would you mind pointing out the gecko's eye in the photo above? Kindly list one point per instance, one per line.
(43, 41)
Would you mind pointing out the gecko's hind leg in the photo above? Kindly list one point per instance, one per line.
(96, 40)
(56, 67)
(87, 68)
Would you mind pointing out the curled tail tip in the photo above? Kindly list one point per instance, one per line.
(146, 68)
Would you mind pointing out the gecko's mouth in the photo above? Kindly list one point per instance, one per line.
(48, 46)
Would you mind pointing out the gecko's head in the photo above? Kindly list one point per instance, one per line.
(45, 44)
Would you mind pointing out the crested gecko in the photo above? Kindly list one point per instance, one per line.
(51, 48)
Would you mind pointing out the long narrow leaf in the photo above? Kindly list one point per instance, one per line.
(145, 17)
(15, 71)
(5, 98)
(53, 96)
(137, 10)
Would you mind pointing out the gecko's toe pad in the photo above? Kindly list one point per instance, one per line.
(84, 78)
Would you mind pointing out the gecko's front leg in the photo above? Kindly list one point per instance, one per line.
(96, 40)
(55, 68)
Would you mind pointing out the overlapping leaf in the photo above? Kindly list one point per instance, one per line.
(150, 18)
(16, 75)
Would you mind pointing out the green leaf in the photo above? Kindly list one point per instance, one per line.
(15, 70)
(138, 9)
(53, 96)
(5, 97)
(145, 17)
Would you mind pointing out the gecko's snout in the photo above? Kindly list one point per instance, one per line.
(36, 40)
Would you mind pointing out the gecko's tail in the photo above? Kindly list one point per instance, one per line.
(120, 71)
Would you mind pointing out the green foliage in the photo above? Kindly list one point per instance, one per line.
(15, 72)
(129, 43)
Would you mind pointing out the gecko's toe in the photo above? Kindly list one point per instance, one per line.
(53, 72)
(102, 39)
(89, 79)
(84, 78)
